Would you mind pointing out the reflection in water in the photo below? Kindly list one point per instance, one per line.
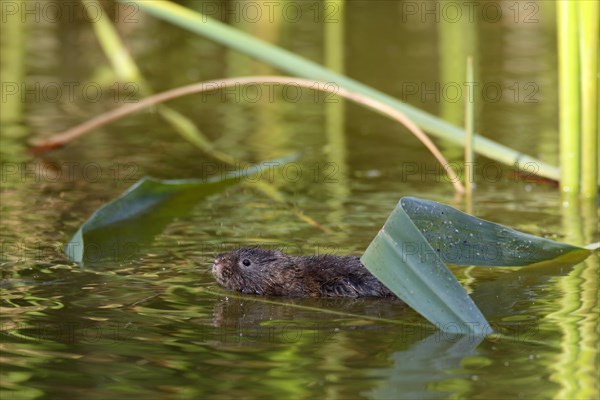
(499, 295)
(577, 305)
(440, 355)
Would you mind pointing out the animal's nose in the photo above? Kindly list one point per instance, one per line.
(216, 265)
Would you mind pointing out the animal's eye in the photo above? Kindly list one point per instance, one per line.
(246, 262)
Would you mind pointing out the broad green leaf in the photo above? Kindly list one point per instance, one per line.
(119, 228)
(462, 239)
(409, 252)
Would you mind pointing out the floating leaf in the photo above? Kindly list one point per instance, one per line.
(118, 229)
(409, 252)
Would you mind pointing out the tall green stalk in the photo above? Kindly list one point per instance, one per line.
(568, 70)
(12, 51)
(12, 68)
(589, 15)
(337, 147)
(456, 41)
(296, 65)
(469, 129)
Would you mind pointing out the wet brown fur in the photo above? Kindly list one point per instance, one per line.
(274, 273)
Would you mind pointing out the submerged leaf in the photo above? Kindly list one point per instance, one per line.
(409, 252)
(120, 227)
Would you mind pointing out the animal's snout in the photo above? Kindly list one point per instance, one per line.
(217, 266)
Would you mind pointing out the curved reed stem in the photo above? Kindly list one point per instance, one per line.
(61, 139)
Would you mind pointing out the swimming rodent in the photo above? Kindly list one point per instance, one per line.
(274, 273)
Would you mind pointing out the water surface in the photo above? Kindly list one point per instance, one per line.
(147, 319)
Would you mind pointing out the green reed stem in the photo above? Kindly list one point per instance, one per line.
(469, 132)
(569, 104)
(589, 15)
